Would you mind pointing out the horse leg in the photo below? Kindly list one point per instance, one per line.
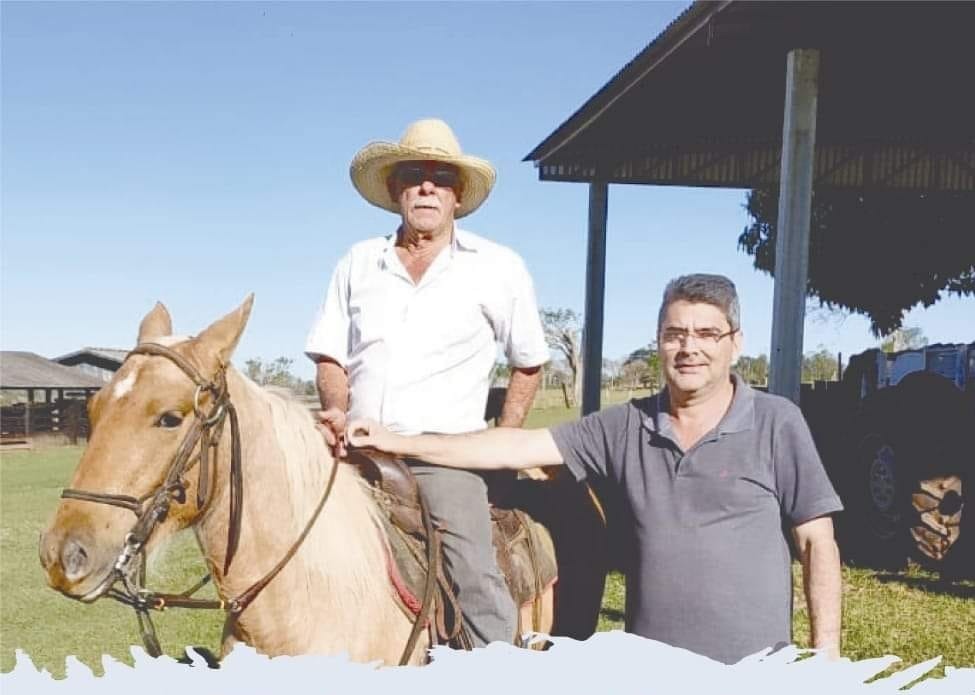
(545, 613)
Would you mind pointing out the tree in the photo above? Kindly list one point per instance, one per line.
(876, 253)
(754, 370)
(277, 373)
(612, 369)
(635, 374)
(641, 368)
(562, 332)
(654, 372)
(819, 366)
(910, 338)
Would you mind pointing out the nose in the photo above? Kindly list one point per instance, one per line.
(65, 559)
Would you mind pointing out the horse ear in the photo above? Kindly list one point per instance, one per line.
(156, 324)
(217, 343)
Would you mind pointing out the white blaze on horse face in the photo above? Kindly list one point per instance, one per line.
(124, 386)
(128, 381)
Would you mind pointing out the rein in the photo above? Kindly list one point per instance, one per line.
(152, 508)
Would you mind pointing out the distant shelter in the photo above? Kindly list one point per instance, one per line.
(42, 397)
(98, 362)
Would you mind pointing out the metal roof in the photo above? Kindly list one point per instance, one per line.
(28, 370)
(111, 354)
(702, 104)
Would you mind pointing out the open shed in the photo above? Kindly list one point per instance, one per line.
(802, 95)
(53, 397)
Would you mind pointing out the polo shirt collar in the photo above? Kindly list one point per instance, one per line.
(739, 418)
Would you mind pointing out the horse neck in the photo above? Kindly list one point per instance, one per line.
(340, 567)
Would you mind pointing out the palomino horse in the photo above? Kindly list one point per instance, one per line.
(149, 425)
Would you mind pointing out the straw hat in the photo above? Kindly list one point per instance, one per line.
(426, 140)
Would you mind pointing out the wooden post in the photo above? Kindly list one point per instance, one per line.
(592, 333)
(30, 404)
(792, 237)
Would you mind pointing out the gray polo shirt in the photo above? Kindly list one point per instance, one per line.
(710, 566)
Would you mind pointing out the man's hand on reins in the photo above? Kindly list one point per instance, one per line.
(331, 423)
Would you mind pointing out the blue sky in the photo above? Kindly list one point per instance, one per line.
(192, 153)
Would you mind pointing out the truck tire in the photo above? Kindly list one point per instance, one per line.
(913, 457)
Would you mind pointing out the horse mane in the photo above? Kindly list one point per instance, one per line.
(348, 531)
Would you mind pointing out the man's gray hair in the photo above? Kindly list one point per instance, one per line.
(701, 288)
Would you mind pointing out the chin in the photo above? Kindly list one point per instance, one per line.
(689, 383)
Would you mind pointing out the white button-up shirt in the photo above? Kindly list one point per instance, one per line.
(419, 355)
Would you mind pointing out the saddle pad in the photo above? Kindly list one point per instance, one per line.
(525, 553)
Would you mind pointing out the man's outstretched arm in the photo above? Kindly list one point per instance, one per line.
(497, 448)
(822, 580)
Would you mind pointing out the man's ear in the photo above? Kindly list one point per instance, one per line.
(737, 342)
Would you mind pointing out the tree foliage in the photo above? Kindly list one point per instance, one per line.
(819, 366)
(277, 373)
(563, 333)
(754, 370)
(876, 253)
(908, 338)
(641, 368)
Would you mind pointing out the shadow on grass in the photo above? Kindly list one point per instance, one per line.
(611, 614)
(961, 589)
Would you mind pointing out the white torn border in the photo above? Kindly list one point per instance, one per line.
(614, 662)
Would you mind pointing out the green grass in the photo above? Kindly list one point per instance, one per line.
(911, 614)
(49, 626)
(550, 407)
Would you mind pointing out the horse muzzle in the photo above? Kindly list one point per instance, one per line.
(74, 564)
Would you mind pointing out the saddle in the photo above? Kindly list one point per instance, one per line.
(524, 550)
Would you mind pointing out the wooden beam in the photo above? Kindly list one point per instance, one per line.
(592, 333)
(792, 236)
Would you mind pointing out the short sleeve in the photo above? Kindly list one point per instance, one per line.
(329, 334)
(804, 489)
(523, 337)
(591, 446)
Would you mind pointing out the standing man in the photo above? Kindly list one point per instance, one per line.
(710, 472)
(408, 335)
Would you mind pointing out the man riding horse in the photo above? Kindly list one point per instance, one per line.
(407, 335)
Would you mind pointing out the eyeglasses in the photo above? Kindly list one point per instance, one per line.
(671, 337)
(415, 174)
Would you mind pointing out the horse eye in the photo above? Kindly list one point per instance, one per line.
(169, 420)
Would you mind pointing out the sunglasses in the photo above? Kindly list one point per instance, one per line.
(414, 175)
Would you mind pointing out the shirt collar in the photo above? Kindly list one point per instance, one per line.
(461, 241)
(739, 418)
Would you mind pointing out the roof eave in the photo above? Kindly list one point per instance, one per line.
(692, 20)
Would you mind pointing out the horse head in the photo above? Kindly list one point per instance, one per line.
(151, 427)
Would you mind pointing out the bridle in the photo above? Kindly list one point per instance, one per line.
(151, 509)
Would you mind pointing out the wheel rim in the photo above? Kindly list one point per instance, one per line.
(882, 486)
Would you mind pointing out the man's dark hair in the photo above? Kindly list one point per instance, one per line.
(701, 288)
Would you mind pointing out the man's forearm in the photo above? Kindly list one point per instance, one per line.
(520, 395)
(492, 449)
(333, 385)
(823, 583)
